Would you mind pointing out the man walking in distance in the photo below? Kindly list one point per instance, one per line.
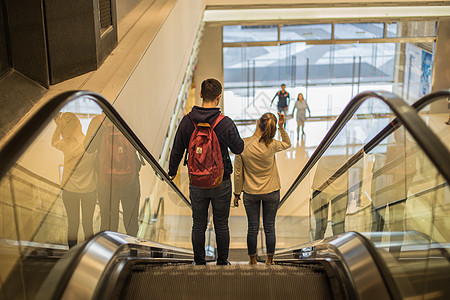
(283, 103)
(219, 195)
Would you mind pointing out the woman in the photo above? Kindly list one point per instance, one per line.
(256, 174)
(301, 105)
(78, 180)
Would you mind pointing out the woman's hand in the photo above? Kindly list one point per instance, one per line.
(58, 119)
(281, 120)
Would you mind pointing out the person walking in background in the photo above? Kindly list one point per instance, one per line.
(256, 174)
(301, 106)
(208, 120)
(78, 179)
(283, 102)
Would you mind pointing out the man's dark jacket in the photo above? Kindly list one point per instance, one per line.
(226, 133)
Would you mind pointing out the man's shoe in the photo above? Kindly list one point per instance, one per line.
(252, 260)
(227, 263)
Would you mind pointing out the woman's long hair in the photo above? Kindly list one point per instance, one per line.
(268, 125)
(71, 126)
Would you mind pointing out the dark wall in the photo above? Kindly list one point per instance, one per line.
(5, 60)
(54, 40)
(27, 39)
(71, 38)
(106, 40)
(75, 45)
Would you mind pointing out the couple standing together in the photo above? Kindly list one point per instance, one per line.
(256, 175)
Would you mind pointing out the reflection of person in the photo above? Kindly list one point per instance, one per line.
(393, 176)
(283, 102)
(78, 180)
(301, 106)
(329, 190)
(256, 174)
(219, 197)
(118, 166)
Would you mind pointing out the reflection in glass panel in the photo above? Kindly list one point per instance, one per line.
(437, 117)
(305, 32)
(250, 33)
(333, 187)
(81, 175)
(411, 29)
(358, 30)
(10, 241)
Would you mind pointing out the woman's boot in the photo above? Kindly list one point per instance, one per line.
(252, 260)
(269, 260)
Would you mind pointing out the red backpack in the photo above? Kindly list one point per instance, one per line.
(117, 161)
(205, 162)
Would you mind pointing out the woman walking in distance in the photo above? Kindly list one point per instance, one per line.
(301, 106)
(256, 174)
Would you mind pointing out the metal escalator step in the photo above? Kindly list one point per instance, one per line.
(226, 282)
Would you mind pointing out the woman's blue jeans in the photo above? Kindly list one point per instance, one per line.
(252, 205)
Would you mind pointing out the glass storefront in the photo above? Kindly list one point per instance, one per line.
(327, 63)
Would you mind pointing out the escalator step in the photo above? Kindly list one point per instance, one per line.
(226, 282)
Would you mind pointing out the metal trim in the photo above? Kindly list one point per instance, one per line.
(86, 270)
(333, 41)
(324, 5)
(366, 271)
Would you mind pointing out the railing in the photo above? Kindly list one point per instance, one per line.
(393, 185)
(405, 115)
(98, 164)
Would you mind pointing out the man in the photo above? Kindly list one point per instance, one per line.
(220, 196)
(282, 95)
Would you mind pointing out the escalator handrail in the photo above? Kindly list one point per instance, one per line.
(96, 257)
(22, 137)
(406, 114)
(354, 250)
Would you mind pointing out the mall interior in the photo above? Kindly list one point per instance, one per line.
(92, 93)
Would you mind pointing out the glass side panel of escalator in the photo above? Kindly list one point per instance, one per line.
(437, 116)
(78, 177)
(392, 193)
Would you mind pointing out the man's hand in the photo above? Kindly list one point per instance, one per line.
(281, 120)
(236, 200)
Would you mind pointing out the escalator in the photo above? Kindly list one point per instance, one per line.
(367, 249)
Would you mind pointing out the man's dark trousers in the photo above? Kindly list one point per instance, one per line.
(220, 198)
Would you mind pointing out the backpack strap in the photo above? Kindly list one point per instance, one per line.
(217, 121)
(213, 124)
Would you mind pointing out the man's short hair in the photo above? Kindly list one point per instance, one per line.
(211, 89)
(283, 84)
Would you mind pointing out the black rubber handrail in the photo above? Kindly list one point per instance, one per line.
(22, 137)
(405, 115)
